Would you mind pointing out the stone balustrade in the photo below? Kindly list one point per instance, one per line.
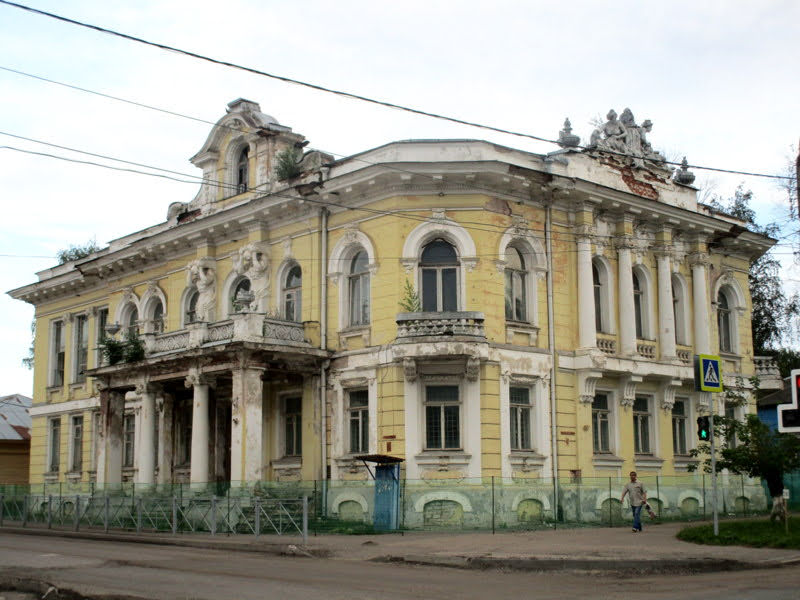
(607, 345)
(685, 355)
(646, 349)
(440, 324)
(766, 366)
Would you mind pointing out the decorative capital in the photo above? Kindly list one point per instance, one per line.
(587, 384)
(668, 389)
(195, 377)
(145, 387)
(470, 262)
(624, 242)
(473, 368)
(628, 384)
(698, 259)
(410, 369)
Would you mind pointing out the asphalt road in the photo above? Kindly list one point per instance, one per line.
(98, 569)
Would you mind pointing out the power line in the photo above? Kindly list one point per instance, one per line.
(351, 95)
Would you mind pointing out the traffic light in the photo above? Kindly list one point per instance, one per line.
(703, 429)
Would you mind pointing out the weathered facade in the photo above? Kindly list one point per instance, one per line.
(473, 309)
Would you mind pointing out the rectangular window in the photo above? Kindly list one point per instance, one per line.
(76, 444)
(55, 445)
(57, 354)
(600, 424)
(679, 427)
(442, 417)
(641, 425)
(184, 441)
(520, 401)
(128, 440)
(81, 336)
(359, 421)
(730, 436)
(293, 416)
(100, 333)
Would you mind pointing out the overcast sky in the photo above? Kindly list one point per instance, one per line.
(718, 79)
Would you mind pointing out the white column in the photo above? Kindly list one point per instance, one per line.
(587, 328)
(109, 461)
(165, 404)
(147, 436)
(247, 435)
(666, 313)
(200, 427)
(627, 320)
(700, 302)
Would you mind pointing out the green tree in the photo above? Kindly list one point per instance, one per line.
(76, 252)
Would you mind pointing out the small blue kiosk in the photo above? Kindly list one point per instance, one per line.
(387, 489)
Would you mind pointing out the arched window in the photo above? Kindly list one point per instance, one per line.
(358, 288)
(638, 305)
(516, 286)
(439, 265)
(679, 311)
(191, 306)
(158, 316)
(292, 295)
(598, 304)
(131, 322)
(724, 322)
(242, 170)
(240, 295)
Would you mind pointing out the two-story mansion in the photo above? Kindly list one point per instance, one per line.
(472, 309)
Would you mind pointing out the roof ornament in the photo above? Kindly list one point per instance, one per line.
(567, 139)
(683, 175)
(624, 136)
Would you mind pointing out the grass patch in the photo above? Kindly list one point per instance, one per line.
(757, 533)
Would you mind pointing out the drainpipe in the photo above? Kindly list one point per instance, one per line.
(551, 340)
(323, 344)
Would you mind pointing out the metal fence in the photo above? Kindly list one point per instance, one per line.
(312, 507)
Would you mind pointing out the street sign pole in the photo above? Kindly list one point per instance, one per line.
(713, 471)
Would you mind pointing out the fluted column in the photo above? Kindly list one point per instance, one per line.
(627, 320)
(200, 427)
(698, 261)
(146, 448)
(666, 313)
(247, 436)
(587, 328)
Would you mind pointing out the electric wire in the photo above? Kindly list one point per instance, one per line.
(350, 95)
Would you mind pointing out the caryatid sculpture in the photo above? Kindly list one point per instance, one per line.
(202, 273)
(252, 262)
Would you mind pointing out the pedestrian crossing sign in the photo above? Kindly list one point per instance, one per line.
(707, 373)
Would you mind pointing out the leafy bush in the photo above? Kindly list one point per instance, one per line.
(410, 302)
(288, 163)
(76, 252)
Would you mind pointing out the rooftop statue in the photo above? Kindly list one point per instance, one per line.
(624, 136)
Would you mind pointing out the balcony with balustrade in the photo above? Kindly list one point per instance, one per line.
(440, 326)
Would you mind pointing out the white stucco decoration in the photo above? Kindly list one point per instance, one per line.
(153, 293)
(129, 298)
(442, 228)
(419, 505)
(350, 497)
(727, 280)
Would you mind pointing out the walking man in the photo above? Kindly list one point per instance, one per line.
(638, 498)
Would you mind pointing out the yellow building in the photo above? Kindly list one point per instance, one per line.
(476, 310)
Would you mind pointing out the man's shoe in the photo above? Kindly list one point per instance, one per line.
(635, 530)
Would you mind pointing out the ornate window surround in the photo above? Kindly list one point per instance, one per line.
(680, 292)
(606, 293)
(728, 285)
(148, 302)
(646, 286)
(346, 247)
(283, 270)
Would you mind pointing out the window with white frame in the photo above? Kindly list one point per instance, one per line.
(642, 423)
(679, 423)
(101, 322)
(724, 321)
(516, 279)
(128, 439)
(239, 291)
(192, 296)
(358, 289)
(358, 413)
(439, 266)
(520, 406)
(292, 294)
(76, 444)
(242, 170)
(293, 430)
(442, 417)
(54, 443)
(638, 304)
(601, 424)
(602, 296)
(57, 353)
(156, 315)
(81, 345)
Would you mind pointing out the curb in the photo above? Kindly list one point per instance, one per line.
(258, 547)
(609, 565)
